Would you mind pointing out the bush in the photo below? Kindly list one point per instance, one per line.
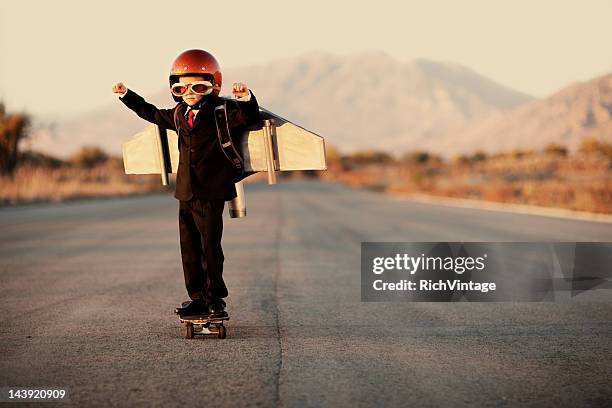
(594, 146)
(470, 159)
(479, 156)
(461, 159)
(555, 149)
(331, 154)
(88, 157)
(13, 128)
(519, 154)
(36, 159)
(417, 157)
(368, 157)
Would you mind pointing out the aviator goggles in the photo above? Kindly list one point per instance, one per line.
(197, 87)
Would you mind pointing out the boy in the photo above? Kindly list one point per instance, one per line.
(205, 176)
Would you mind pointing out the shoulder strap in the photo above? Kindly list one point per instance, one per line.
(176, 124)
(225, 139)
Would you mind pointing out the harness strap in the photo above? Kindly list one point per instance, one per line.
(225, 139)
(176, 125)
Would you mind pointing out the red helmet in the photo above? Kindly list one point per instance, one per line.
(196, 62)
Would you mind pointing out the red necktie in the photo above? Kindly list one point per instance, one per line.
(190, 116)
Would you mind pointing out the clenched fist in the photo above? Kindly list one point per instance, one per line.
(119, 88)
(240, 90)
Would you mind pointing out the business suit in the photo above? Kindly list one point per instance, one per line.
(204, 181)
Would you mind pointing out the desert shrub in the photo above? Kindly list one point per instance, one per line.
(13, 128)
(331, 154)
(521, 153)
(479, 156)
(420, 157)
(37, 159)
(555, 149)
(461, 159)
(367, 157)
(594, 146)
(417, 157)
(88, 157)
(470, 158)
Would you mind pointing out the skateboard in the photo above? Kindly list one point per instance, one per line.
(203, 325)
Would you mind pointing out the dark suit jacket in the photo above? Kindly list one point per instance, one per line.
(203, 170)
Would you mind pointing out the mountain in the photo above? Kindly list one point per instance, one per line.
(365, 101)
(374, 101)
(581, 110)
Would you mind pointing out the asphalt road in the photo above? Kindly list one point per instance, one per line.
(87, 290)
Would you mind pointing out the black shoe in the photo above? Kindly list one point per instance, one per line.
(183, 304)
(194, 308)
(217, 308)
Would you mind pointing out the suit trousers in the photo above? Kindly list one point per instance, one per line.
(201, 229)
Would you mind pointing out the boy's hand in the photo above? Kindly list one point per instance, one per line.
(240, 90)
(119, 88)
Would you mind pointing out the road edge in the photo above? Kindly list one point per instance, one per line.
(506, 207)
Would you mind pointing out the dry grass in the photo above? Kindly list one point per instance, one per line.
(39, 183)
(582, 181)
(66, 181)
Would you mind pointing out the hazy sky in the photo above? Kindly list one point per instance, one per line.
(62, 57)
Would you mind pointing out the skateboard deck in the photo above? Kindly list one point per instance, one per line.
(203, 325)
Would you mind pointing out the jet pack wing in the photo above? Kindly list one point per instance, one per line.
(293, 147)
(153, 150)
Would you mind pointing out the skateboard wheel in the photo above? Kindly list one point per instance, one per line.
(222, 333)
(188, 331)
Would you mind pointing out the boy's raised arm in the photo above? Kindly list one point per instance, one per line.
(161, 117)
(249, 108)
